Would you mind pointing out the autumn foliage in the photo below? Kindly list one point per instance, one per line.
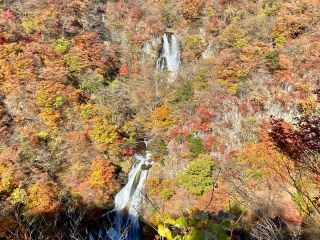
(235, 136)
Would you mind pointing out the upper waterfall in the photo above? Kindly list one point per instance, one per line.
(170, 55)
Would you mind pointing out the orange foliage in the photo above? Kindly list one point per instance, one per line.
(100, 184)
(263, 161)
(296, 17)
(192, 9)
(42, 197)
(217, 200)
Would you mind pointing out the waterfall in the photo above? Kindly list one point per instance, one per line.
(169, 58)
(128, 202)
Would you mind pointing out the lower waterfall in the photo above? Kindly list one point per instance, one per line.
(128, 203)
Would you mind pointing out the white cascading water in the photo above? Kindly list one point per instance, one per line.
(128, 202)
(169, 58)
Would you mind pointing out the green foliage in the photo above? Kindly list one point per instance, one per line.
(272, 60)
(61, 45)
(158, 149)
(28, 24)
(164, 232)
(6, 179)
(252, 119)
(27, 152)
(200, 79)
(58, 102)
(74, 64)
(198, 177)
(196, 227)
(195, 145)
(55, 141)
(185, 93)
(271, 7)
(167, 193)
(92, 82)
(302, 204)
(42, 135)
(280, 40)
(18, 195)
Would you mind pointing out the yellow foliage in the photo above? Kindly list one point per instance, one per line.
(194, 46)
(101, 172)
(100, 185)
(234, 36)
(6, 178)
(16, 63)
(308, 106)
(29, 24)
(104, 132)
(42, 198)
(88, 111)
(50, 116)
(161, 116)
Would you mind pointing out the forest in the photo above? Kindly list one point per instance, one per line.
(160, 119)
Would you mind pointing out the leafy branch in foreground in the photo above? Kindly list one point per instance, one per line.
(197, 226)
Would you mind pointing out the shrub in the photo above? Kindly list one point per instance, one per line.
(271, 7)
(196, 226)
(272, 60)
(198, 177)
(167, 193)
(308, 106)
(74, 63)
(87, 111)
(29, 25)
(280, 40)
(6, 179)
(18, 195)
(104, 132)
(91, 83)
(199, 81)
(55, 141)
(185, 93)
(58, 102)
(159, 149)
(162, 116)
(195, 145)
(192, 9)
(195, 45)
(42, 198)
(61, 45)
(234, 36)
(161, 187)
(50, 116)
(51, 96)
(42, 135)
